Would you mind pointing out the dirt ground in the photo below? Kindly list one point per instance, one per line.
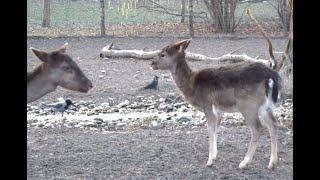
(145, 153)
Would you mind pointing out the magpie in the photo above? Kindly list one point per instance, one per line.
(153, 84)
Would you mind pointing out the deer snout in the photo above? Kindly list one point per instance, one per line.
(153, 65)
(90, 85)
(87, 85)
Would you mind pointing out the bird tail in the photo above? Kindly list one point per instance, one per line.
(50, 105)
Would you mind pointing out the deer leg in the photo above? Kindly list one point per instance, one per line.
(256, 131)
(212, 125)
(273, 130)
(219, 116)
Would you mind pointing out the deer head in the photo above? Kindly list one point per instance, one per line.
(169, 55)
(61, 70)
(57, 69)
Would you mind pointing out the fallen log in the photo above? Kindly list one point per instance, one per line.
(108, 52)
(137, 54)
(111, 52)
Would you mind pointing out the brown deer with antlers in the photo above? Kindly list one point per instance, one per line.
(57, 69)
(250, 88)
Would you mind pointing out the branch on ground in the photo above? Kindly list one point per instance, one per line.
(108, 52)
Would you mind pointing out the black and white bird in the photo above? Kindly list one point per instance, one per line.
(153, 84)
(61, 106)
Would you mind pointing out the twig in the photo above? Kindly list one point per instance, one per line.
(235, 50)
(235, 26)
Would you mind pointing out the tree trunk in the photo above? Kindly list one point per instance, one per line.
(226, 16)
(218, 13)
(183, 10)
(287, 57)
(191, 31)
(290, 46)
(46, 13)
(102, 23)
(222, 13)
(284, 13)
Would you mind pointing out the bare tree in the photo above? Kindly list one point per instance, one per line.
(191, 31)
(102, 23)
(153, 6)
(286, 63)
(46, 13)
(284, 13)
(223, 14)
(183, 9)
(289, 48)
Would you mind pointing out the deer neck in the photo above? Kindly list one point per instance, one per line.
(181, 74)
(39, 83)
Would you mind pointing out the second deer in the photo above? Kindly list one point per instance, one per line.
(57, 69)
(250, 88)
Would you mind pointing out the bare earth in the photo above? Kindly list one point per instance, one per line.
(146, 153)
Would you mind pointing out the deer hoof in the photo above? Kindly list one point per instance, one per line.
(243, 164)
(272, 164)
(210, 162)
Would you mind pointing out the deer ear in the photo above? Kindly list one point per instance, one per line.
(182, 45)
(43, 56)
(63, 48)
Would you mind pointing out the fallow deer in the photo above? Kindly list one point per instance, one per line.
(250, 88)
(57, 69)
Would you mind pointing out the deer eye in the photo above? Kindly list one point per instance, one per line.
(67, 68)
(161, 55)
